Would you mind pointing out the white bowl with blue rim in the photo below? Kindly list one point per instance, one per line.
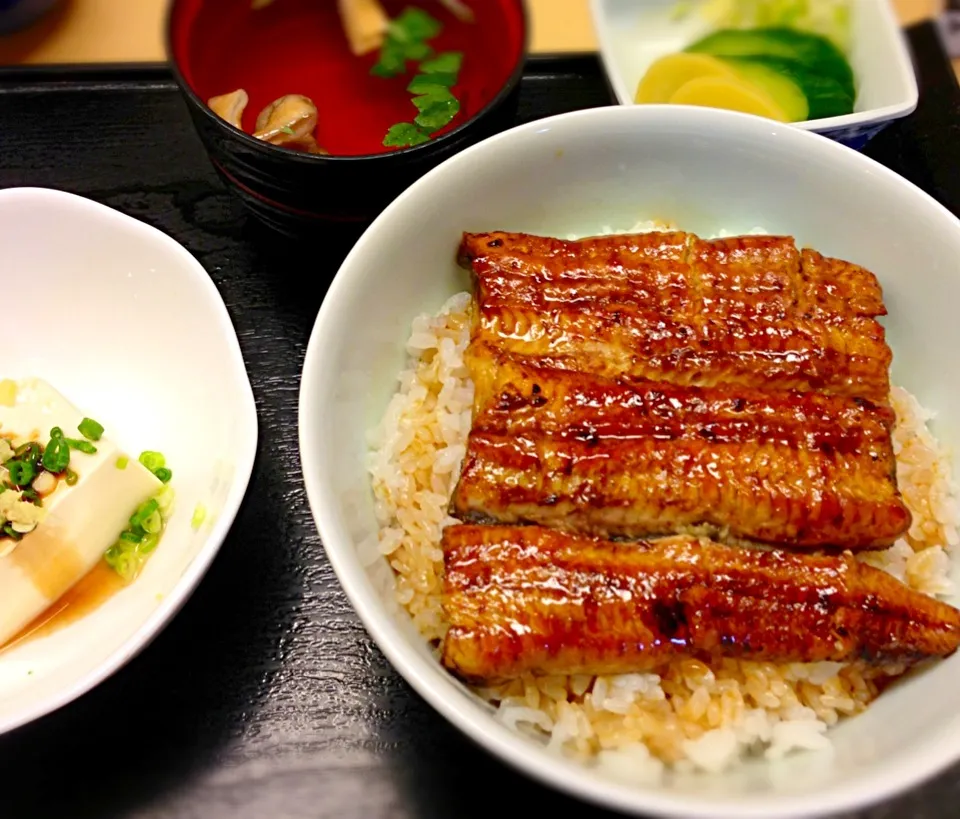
(634, 33)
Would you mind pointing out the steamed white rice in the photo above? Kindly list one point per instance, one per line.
(637, 726)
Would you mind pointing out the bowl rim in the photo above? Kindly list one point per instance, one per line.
(245, 451)
(446, 695)
(901, 59)
(396, 155)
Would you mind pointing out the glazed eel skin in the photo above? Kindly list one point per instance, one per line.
(651, 384)
(754, 311)
(590, 455)
(528, 599)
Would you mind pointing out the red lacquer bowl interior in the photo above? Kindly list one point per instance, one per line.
(299, 47)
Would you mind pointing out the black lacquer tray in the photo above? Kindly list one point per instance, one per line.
(265, 697)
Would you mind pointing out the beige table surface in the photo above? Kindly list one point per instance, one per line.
(91, 31)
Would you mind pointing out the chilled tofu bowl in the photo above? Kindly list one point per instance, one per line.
(641, 469)
(127, 438)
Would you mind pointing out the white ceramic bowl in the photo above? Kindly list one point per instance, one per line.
(706, 170)
(139, 339)
(634, 33)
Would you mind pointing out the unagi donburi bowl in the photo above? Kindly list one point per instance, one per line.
(583, 173)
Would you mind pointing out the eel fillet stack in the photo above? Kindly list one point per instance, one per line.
(677, 446)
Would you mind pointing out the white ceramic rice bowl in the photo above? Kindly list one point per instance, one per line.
(706, 170)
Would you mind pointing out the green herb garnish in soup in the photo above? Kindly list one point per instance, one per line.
(437, 74)
(406, 40)
(432, 98)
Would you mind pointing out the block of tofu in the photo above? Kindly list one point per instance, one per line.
(79, 522)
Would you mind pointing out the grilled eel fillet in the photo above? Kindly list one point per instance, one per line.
(528, 599)
(591, 455)
(668, 307)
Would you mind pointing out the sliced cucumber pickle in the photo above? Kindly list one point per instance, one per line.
(816, 53)
(825, 97)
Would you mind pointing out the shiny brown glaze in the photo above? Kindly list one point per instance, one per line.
(669, 307)
(591, 455)
(840, 288)
(528, 599)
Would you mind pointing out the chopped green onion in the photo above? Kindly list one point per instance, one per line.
(32, 496)
(71, 477)
(149, 543)
(90, 429)
(21, 472)
(134, 545)
(157, 464)
(127, 556)
(144, 511)
(152, 460)
(122, 462)
(122, 558)
(9, 531)
(153, 523)
(164, 499)
(56, 455)
(29, 453)
(56, 432)
(81, 446)
(199, 515)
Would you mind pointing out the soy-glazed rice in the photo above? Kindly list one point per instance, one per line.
(689, 716)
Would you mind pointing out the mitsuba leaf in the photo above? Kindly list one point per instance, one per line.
(435, 112)
(427, 83)
(404, 135)
(448, 62)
